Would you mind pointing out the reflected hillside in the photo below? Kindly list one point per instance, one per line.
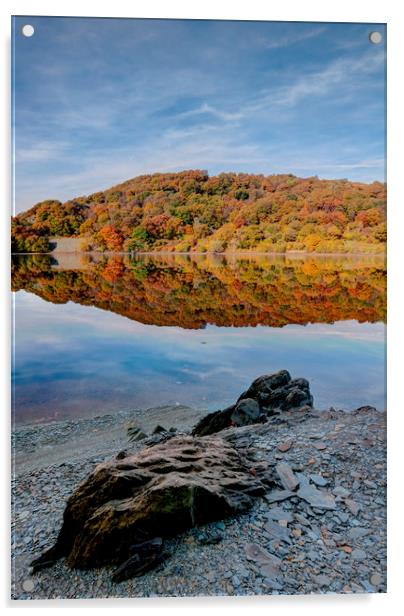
(190, 292)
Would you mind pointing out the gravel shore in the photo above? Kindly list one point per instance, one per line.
(340, 548)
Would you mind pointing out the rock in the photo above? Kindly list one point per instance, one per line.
(277, 532)
(145, 556)
(278, 495)
(301, 519)
(121, 455)
(214, 422)
(376, 579)
(285, 446)
(343, 517)
(28, 585)
(135, 433)
(266, 384)
(246, 412)
(160, 491)
(235, 581)
(340, 491)
(322, 579)
(287, 476)
(358, 554)
(211, 539)
(320, 446)
(271, 392)
(357, 532)
(279, 391)
(319, 480)
(316, 498)
(352, 505)
(277, 513)
(159, 430)
(268, 564)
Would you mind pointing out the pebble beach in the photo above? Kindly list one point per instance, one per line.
(327, 537)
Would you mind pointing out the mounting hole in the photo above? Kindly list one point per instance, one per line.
(28, 30)
(375, 38)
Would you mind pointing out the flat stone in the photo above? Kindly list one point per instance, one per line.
(352, 505)
(343, 517)
(358, 554)
(278, 532)
(340, 491)
(285, 446)
(278, 495)
(319, 480)
(357, 532)
(320, 446)
(316, 498)
(287, 476)
(268, 564)
(278, 513)
(302, 520)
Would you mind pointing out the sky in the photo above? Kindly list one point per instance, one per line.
(99, 101)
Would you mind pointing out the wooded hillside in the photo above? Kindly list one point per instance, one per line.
(190, 211)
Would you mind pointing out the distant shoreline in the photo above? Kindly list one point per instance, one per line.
(250, 253)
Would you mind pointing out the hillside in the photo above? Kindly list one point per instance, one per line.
(190, 211)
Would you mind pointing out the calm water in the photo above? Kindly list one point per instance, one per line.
(97, 335)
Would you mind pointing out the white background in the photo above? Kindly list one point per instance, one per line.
(293, 10)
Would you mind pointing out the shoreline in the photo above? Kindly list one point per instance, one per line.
(342, 550)
(240, 253)
(48, 443)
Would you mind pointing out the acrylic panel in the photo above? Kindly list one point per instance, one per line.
(199, 307)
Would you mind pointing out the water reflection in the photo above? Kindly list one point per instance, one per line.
(75, 360)
(192, 292)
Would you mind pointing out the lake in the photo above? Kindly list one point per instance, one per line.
(98, 334)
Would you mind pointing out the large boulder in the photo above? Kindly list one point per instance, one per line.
(157, 492)
(266, 395)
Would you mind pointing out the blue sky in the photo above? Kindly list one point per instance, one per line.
(99, 101)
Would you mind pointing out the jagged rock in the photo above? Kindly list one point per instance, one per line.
(159, 491)
(246, 412)
(135, 433)
(272, 393)
(159, 430)
(214, 422)
(121, 455)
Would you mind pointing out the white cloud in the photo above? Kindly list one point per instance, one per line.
(290, 39)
